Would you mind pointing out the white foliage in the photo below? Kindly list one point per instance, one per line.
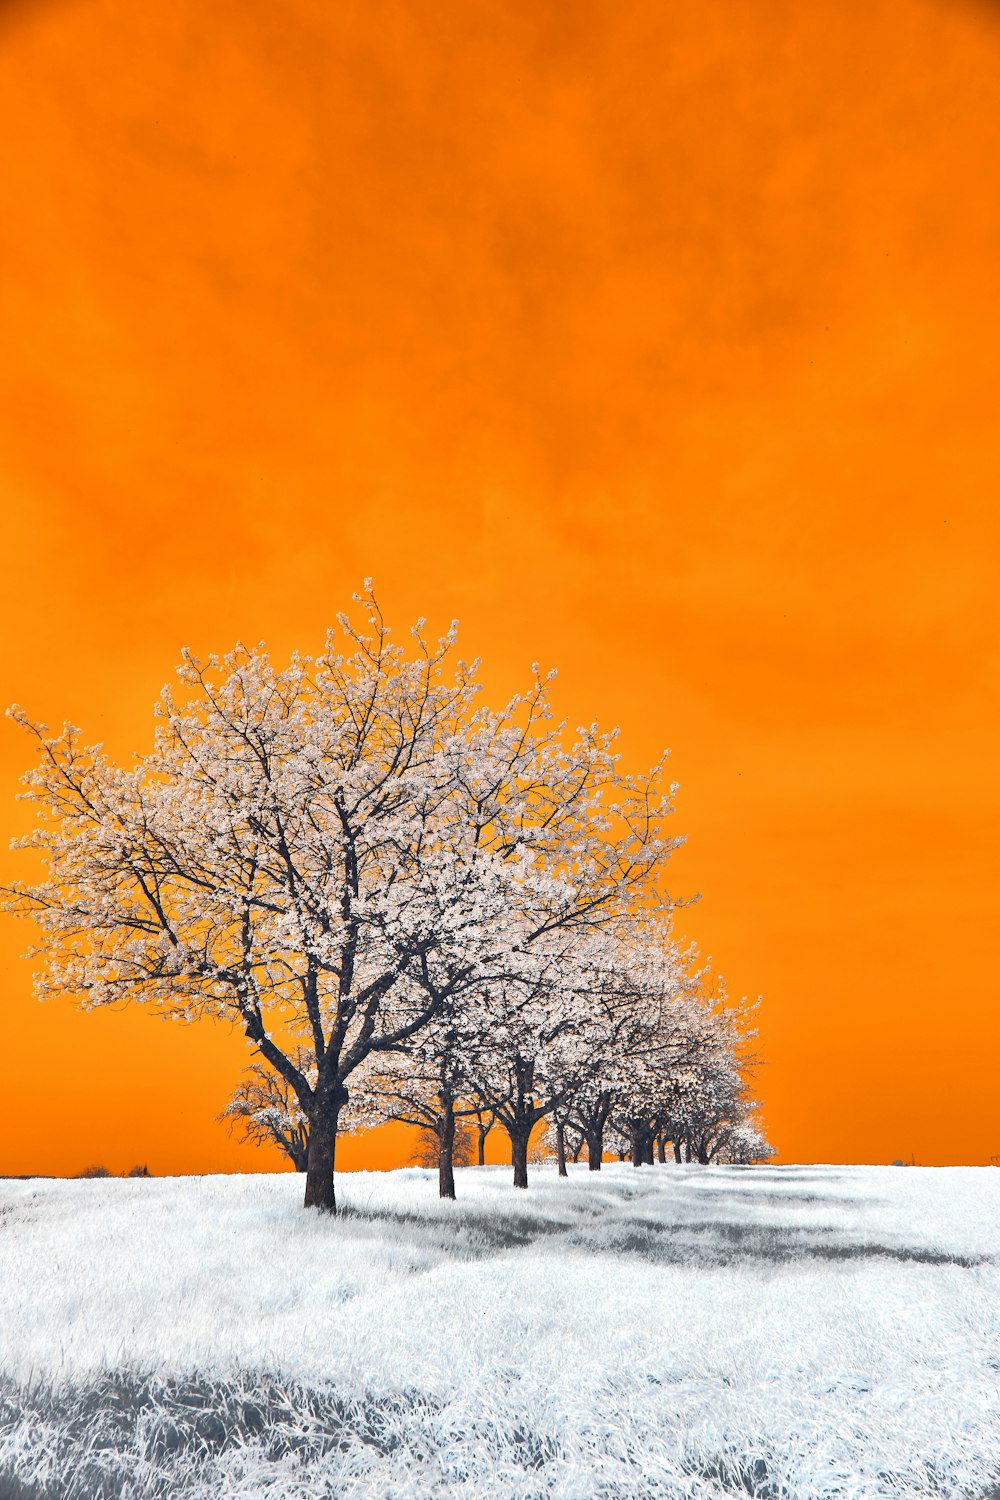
(333, 853)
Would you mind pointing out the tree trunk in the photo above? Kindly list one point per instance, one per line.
(578, 1149)
(687, 1150)
(595, 1148)
(519, 1157)
(642, 1147)
(446, 1148)
(661, 1149)
(677, 1151)
(320, 1163)
(561, 1149)
(523, 1118)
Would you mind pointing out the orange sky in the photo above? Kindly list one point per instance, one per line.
(656, 341)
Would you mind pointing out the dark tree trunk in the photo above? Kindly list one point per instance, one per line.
(677, 1151)
(561, 1149)
(687, 1150)
(642, 1147)
(320, 1163)
(522, 1119)
(595, 1148)
(578, 1149)
(519, 1156)
(483, 1131)
(446, 1148)
(661, 1149)
(297, 1148)
(702, 1154)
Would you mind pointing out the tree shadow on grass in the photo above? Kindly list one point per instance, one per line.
(703, 1241)
(775, 1174)
(728, 1197)
(463, 1239)
(721, 1242)
(677, 1230)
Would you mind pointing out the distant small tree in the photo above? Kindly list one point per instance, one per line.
(542, 1147)
(615, 1140)
(575, 1142)
(485, 1121)
(427, 1152)
(267, 1113)
(95, 1171)
(746, 1145)
(142, 1171)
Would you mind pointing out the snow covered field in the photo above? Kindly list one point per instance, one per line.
(796, 1332)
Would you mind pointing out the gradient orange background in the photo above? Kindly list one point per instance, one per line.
(655, 341)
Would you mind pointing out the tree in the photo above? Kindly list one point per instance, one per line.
(701, 1102)
(746, 1144)
(649, 992)
(575, 1140)
(544, 1146)
(428, 1149)
(717, 1107)
(329, 854)
(540, 1043)
(485, 1121)
(276, 860)
(420, 1086)
(681, 1079)
(268, 1112)
(562, 1038)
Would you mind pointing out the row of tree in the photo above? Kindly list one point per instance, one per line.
(703, 1113)
(411, 903)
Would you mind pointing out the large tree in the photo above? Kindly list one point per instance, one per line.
(330, 853)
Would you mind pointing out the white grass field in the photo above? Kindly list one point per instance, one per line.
(793, 1332)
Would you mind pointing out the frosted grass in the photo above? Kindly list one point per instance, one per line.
(779, 1332)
